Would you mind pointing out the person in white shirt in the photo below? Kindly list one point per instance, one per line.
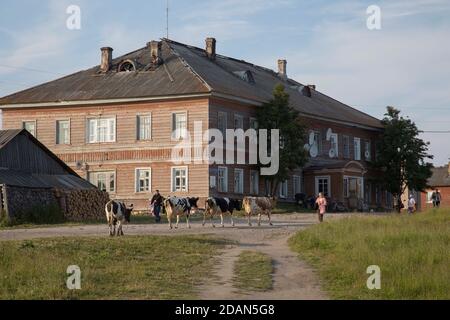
(411, 204)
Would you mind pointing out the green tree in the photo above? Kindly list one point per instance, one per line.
(401, 156)
(278, 114)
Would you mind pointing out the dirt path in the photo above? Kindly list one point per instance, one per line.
(292, 279)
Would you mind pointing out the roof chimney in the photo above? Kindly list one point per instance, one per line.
(211, 48)
(155, 51)
(106, 59)
(282, 68)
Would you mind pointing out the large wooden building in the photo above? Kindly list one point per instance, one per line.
(114, 125)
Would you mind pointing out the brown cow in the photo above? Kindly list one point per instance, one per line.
(259, 205)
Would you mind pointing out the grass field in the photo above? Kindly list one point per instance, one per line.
(253, 272)
(111, 268)
(413, 253)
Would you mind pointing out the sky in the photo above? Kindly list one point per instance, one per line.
(405, 64)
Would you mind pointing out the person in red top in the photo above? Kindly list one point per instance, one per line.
(322, 206)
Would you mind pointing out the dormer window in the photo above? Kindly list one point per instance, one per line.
(246, 75)
(127, 66)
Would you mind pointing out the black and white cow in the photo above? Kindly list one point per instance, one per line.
(178, 207)
(220, 206)
(116, 214)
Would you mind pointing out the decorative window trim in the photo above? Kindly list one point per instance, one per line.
(238, 116)
(35, 126)
(138, 126)
(335, 136)
(225, 177)
(172, 176)
(316, 182)
(136, 180)
(173, 125)
(101, 118)
(57, 121)
(284, 186)
(225, 115)
(357, 152)
(104, 171)
(255, 184)
(242, 175)
(294, 177)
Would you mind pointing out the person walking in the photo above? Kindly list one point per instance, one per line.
(156, 203)
(411, 204)
(322, 206)
(436, 198)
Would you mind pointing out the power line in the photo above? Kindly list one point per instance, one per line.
(437, 131)
(30, 69)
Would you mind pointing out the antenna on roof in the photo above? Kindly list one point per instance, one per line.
(167, 19)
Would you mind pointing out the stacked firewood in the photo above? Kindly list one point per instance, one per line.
(84, 205)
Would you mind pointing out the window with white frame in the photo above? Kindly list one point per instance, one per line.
(238, 121)
(239, 181)
(357, 148)
(101, 130)
(318, 141)
(104, 181)
(254, 182)
(354, 187)
(297, 184)
(346, 191)
(222, 122)
(179, 125)
(334, 143)
(346, 141)
(30, 126)
(144, 127)
(284, 189)
(368, 150)
(222, 179)
(323, 186)
(253, 123)
(179, 179)
(63, 132)
(143, 180)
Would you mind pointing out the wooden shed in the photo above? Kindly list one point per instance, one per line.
(33, 178)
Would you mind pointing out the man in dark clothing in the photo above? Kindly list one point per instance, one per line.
(436, 198)
(156, 202)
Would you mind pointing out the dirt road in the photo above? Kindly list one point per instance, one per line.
(292, 279)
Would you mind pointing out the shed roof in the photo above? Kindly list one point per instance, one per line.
(8, 176)
(185, 70)
(440, 177)
(25, 179)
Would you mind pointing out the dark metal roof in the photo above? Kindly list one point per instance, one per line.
(28, 180)
(7, 136)
(185, 70)
(440, 177)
